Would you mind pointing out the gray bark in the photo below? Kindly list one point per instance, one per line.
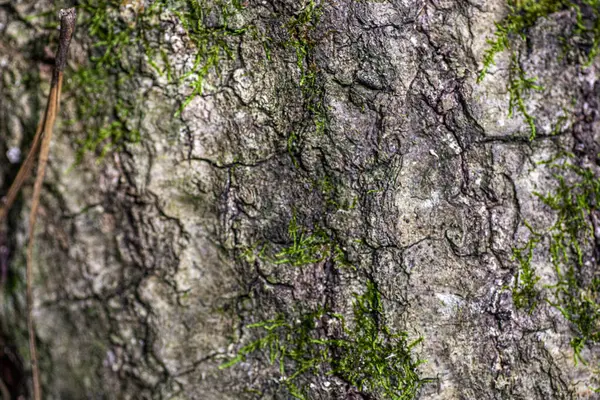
(142, 289)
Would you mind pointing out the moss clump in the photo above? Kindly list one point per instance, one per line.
(576, 293)
(372, 357)
(511, 32)
(123, 37)
(368, 355)
(331, 194)
(525, 294)
(301, 30)
(306, 247)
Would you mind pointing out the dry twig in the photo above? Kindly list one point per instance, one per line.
(41, 141)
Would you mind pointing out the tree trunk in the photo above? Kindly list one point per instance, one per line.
(337, 150)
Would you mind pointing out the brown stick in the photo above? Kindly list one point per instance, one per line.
(47, 136)
(67, 27)
(24, 171)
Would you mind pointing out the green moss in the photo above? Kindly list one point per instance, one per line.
(107, 138)
(525, 294)
(372, 357)
(122, 40)
(518, 85)
(368, 355)
(293, 142)
(512, 31)
(210, 42)
(301, 30)
(306, 247)
(576, 293)
(331, 194)
(106, 117)
(576, 289)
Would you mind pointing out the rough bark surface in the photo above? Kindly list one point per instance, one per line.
(142, 287)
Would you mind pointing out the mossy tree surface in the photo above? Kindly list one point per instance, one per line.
(581, 41)
(126, 41)
(572, 251)
(369, 356)
(314, 186)
(571, 243)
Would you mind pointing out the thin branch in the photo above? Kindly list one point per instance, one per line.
(67, 27)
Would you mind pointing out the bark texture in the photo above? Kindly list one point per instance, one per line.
(148, 265)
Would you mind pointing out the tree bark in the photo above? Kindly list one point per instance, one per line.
(152, 261)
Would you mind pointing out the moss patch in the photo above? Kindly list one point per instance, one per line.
(305, 247)
(302, 38)
(511, 34)
(124, 39)
(366, 355)
(576, 292)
